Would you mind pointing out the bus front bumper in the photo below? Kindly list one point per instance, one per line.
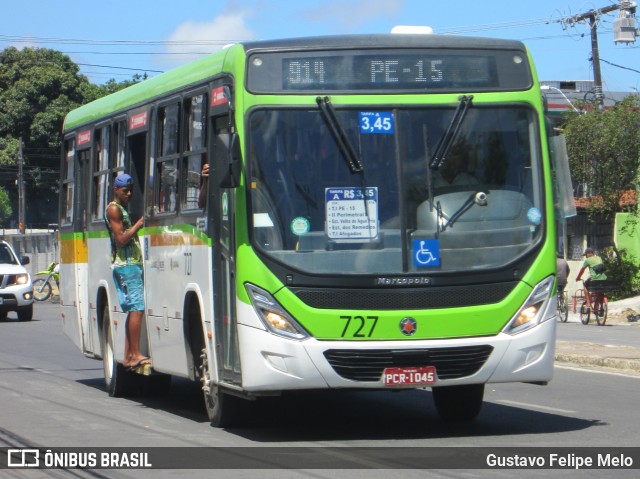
(271, 363)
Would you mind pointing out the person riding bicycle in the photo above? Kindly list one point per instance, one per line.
(596, 271)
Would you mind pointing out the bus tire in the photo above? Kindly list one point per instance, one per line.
(221, 408)
(458, 403)
(116, 379)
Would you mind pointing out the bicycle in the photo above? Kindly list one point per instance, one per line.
(563, 306)
(599, 302)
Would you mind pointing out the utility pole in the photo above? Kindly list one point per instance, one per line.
(625, 6)
(20, 190)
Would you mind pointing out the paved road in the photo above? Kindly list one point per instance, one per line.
(52, 396)
(614, 345)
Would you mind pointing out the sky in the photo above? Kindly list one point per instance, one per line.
(119, 38)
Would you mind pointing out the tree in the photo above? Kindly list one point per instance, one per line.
(604, 155)
(5, 206)
(38, 87)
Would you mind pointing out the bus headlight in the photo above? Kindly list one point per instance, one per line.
(274, 316)
(533, 310)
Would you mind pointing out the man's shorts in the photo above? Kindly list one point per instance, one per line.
(130, 287)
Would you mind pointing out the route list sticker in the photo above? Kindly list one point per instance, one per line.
(352, 213)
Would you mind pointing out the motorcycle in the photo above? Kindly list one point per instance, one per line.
(42, 288)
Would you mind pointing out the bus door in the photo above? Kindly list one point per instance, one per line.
(138, 126)
(222, 231)
(83, 172)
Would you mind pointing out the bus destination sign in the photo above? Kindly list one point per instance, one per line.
(388, 70)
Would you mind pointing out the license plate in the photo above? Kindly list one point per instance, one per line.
(424, 376)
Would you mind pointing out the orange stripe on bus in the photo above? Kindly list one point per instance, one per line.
(175, 239)
(74, 251)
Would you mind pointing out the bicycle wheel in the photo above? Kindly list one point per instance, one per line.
(603, 309)
(563, 308)
(41, 289)
(584, 313)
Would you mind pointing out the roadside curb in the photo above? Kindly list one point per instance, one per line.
(603, 362)
(585, 353)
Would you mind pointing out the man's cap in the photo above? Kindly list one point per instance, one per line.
(122, 181)
(587, 251)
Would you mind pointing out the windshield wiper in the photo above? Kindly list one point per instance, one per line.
(446, 142)
(338, 133)
(478, 198)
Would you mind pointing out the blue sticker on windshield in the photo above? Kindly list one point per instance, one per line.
(375, 122)
(426, 253)
(534, 215)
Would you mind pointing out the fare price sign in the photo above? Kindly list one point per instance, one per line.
(380, 122)
(352, 213)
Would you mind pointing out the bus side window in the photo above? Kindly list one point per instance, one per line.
(101, 173)
(194, 151)
(68, 182)
(167, 163)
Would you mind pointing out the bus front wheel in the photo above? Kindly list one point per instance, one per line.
(458, 403)
(221, 408)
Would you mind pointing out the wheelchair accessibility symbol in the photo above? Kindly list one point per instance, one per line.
(426, 253)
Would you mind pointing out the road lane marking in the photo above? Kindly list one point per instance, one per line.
(600, 371)
(535, 406)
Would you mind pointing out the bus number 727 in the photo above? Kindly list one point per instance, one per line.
(361, 325)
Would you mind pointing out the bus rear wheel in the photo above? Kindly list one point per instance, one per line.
(458, 403)
(116, 379)
(221, 408)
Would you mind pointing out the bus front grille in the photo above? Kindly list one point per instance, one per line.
(411, 298)
(369, 364)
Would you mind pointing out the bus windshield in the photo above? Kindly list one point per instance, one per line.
(478, 205)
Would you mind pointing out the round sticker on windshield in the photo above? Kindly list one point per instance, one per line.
(300, 226)
(534, 215)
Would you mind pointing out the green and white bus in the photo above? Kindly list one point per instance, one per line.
(379, 215)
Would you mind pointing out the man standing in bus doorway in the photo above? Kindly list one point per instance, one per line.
(126, 263)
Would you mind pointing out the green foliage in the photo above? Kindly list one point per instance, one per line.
(622, 267)
(8, 150)
(604, 154)
(38, 87)
(5, 206)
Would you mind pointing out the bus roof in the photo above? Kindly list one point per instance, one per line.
(209, 66)
(135, 95)
(383, 41)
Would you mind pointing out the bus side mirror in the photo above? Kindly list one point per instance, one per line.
(231, 177)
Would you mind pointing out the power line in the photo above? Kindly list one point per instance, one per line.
(120, 68)
(619, 66)
(76, 41)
